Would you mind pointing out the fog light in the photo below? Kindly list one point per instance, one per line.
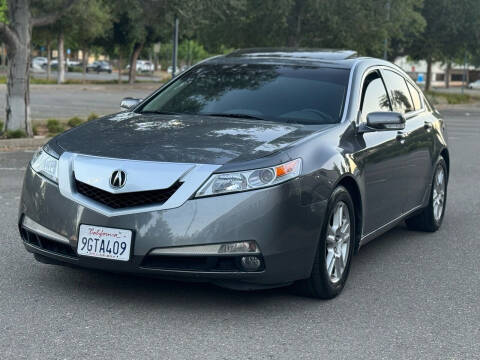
(250, 263)
(238, 247)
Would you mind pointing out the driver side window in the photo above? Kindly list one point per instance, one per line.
(374, 96)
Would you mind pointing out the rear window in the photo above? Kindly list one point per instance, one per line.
(291, 94)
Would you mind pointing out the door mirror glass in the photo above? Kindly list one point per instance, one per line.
(386, 121)
(128, 103)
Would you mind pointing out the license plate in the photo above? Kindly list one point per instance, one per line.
(103, 242)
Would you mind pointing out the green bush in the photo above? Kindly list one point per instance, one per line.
(75, 69)
(15, 134)
(92, 116)
(54, 126)
(458, 98)
(1, 127)
(40, 81)
(74, 121)
(35, 129)
(437, 97)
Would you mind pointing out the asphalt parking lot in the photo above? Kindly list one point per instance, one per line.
(65, 101)
(141, 77)
(410, 295)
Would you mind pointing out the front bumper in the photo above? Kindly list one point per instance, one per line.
(285, 230)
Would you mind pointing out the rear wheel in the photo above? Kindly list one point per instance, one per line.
(335, 248)
(430, 218)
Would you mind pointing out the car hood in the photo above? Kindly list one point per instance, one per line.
(182, 138)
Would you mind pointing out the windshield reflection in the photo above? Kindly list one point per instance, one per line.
(289, 94)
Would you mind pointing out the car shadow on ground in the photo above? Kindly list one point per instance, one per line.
(93, 285)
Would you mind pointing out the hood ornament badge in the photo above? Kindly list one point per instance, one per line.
(118, 179)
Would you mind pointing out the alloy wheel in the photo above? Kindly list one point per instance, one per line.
(338, 242)
(439, 186)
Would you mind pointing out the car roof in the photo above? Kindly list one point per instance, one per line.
(287, 56)
(331, 58)
(311, 54)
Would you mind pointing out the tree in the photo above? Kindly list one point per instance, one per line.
(81, 24)
(134, 25)
(3, 19)
(23, 15)
(361, 25)
(189, 52)
(452, 32)
(116, 42)
(141, 23)
(45, 35)
(88, 20)
(3, 11)
(242, 23)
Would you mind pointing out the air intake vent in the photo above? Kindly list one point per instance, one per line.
(47, 244)
(127, 200)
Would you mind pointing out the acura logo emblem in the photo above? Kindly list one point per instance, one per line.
(118, 179)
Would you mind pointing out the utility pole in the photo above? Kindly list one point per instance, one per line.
(175, 47)
(464, 79)
(385, 42)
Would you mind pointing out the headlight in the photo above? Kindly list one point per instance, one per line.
(251, 179)
(45, 164)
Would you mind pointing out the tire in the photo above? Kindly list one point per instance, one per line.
(431, 217)
(325, 283)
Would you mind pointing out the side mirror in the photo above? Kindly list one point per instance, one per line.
(128, 103)
(385, 121)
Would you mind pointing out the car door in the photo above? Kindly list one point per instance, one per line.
(419, 126)
(383, 159)
(417, 137)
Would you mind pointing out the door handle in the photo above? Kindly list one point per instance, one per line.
(428, 125)
(401, 136)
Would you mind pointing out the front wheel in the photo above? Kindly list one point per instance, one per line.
(430, 218)
(335, 248)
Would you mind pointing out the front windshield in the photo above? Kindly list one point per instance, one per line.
(280, 93)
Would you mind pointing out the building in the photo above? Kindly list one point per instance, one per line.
(418, 71)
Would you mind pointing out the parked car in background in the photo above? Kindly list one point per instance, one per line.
(69, 63)
(252, 170)
(143, 66)
(73, 62)
(169, 70)
(38, 62)
(100, 66)
(474, 85)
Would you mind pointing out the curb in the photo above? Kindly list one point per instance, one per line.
(25, 143)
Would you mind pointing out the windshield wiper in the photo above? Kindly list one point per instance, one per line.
(234, 115)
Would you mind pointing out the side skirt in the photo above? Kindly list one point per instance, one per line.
(384, 228)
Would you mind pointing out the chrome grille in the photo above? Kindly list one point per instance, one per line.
(127, 200)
